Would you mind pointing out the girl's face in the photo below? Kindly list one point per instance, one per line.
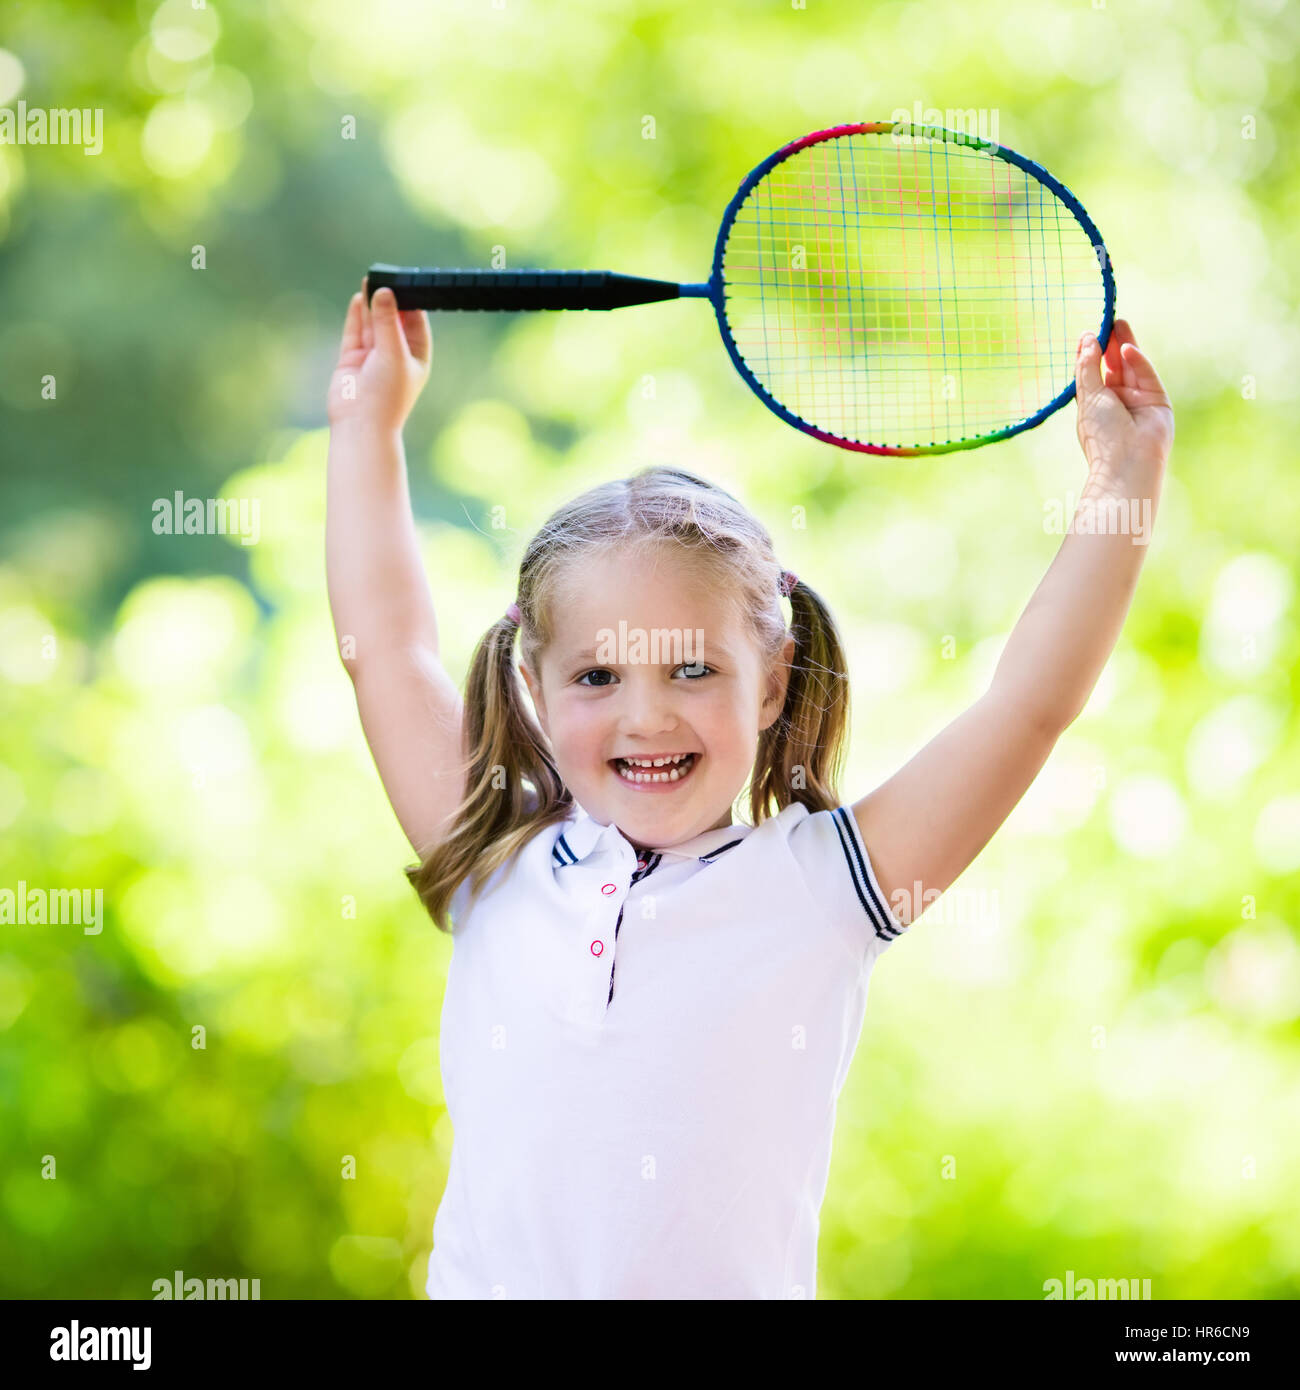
(646, 663)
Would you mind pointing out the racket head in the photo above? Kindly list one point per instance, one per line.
(838, 375)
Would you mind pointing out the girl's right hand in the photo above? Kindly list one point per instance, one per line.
(383, 362)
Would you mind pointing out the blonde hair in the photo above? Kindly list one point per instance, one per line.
(798, 757)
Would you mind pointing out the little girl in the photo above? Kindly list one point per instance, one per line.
(651, 1009)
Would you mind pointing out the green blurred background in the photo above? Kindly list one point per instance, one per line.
(1100, 1074)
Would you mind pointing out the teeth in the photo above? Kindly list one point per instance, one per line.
(642, 769)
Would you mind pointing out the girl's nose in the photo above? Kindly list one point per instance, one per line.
(647, 708)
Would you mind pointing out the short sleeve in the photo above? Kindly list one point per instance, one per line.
(828, 847)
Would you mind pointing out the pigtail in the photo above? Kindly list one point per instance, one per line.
(505, 749)
(800, 755)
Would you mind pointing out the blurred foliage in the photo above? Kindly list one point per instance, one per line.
(1102, 1079)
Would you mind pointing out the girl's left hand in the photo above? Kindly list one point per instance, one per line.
(1125, 421)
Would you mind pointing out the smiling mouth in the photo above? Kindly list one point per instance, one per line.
(643, 772)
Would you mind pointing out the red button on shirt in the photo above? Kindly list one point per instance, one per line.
(597, 947)
(608, 888)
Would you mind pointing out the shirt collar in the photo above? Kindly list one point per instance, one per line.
(581, 834)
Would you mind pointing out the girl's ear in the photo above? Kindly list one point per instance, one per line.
(535, 690)
(778, 685)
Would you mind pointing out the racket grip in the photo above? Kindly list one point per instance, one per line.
(418, 287)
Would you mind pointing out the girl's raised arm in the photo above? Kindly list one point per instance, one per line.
(930, 820)
(379, 594)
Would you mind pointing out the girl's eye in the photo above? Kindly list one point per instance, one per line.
(696, 670)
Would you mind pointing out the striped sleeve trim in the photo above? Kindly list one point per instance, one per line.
(873, 901)
(565, 858)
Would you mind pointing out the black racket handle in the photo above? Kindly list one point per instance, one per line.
(418, 287)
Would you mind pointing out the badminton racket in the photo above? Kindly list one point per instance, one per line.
(885, 287)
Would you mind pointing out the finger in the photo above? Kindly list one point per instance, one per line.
(388, 331)
(1123, 330)
(1114, 363)
(1145, 377)
(1122, 333)
(415, 325)
(1087, 369)
(367, 317)
(352, 326)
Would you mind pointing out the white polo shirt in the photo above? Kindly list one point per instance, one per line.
(641, 1060)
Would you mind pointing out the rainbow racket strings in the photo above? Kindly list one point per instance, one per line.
(904, 293)
(894, 289)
